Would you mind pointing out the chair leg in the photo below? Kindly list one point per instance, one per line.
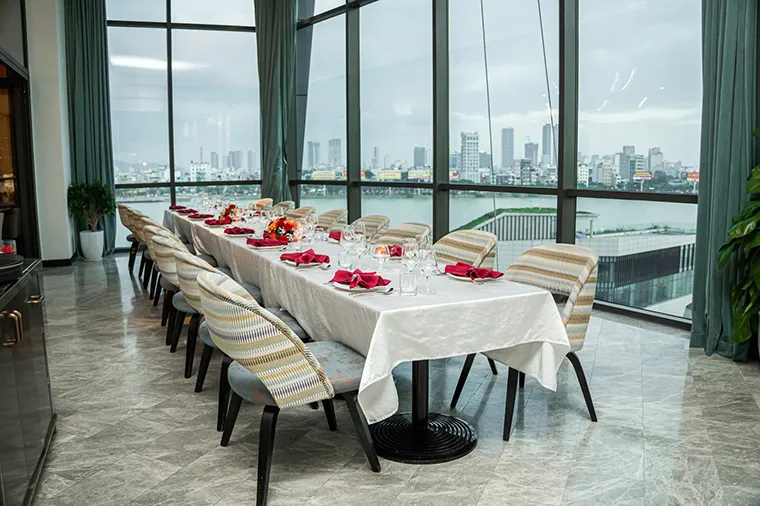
(147, 273)
(362, 429)
(166, 308)
(153, 282)
(157, 295)
(231, 418)
(314, 405)
(573, 358)
(192, 336)
(462, 379)
(266, 447)
(171, 320)
(179, 322)
(133, 256)
(332, 422)
(493, 367)
(511, 396)
(522, 380)
(208, 351)
(224, 390)
(142, 267)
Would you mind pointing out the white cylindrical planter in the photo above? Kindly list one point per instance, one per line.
(92, 244)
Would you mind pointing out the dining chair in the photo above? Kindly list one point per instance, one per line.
(374, 226)
(135, 219)
(332, 219)
(164, 247)
(273, 368)
(468, 246)
(300, 213)
(134, 242)
(262, 204)
(567, 271)
(285, 206)
(150, 227)
(400, 233)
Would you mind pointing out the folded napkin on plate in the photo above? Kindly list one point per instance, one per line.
(305, 257)
(395, 251)
(224, 220)
(187, 211)
(198, 216)
(358, 278)
(335, 236)
(238, 231)
(176, 208)
(266, 243)
(464, 270)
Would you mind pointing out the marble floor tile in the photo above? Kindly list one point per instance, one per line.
(675, 427)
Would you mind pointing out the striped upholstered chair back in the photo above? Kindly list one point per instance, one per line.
(188, 268)
(562, 269)
(405, 231)
(332, 219)
(149, 229)
(164, 247)
(262, 203)
(301, 212)
(135, 220)
(262, 343)
(468, 246)
(490, 261)
(124, 216)
(285, 206)
(374, 225)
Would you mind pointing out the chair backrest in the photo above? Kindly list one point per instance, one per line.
(562, 269)
(332, 219)
(285, 205)
(468, 246)
(398, 234)
(262, 203)
(124, 216)
(374, 225)
(262, 343)
(164, 247)
(188, 268)
(149, 229)
(301, 212)
(490, 261)
(135, 221)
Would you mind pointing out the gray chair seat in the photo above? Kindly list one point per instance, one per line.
(180, 304)
(208, 258)
(167, 285)
(226, 271)
(283, 315)
(342, 365)
(190, 247)
(205, 336)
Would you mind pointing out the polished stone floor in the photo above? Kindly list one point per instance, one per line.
(675, 427)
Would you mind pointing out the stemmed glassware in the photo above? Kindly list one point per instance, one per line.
(410, 254)
(381, 254)
(347, 238)
(429, 267)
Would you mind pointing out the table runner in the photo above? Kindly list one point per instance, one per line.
(517, 324)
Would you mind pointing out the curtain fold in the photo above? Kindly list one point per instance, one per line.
(276, 45)
(729, 116)
(88, 100)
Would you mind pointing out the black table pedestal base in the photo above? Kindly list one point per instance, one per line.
(447, 438)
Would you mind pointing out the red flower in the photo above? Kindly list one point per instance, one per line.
(8, 250)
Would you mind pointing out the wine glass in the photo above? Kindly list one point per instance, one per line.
(410, 255)
(359, 228)
(428, 266)
(347, 238)
(381, 255)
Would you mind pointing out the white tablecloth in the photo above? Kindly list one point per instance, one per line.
(518, 324)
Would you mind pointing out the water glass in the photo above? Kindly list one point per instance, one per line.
(410, 254)
(345, 260)
(407, 283)
(428, 266)
(347, 238)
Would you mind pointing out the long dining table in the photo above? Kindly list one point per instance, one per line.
(516, 324)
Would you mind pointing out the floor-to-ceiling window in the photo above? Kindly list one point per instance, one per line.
(368, 81)
(184, 102)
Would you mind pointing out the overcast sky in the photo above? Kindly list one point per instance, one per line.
(640, 77)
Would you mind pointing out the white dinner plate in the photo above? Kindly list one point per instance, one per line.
(347, 288)
(333, 241)
(302, 266)
(476, 280)
(238, 236)
(216, 226)
(266, 248)
(198, 219)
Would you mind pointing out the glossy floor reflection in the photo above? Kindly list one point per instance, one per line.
(675, 427)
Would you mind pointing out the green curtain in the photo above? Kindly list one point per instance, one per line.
(276, 44)
(729, 116)
(88, 100)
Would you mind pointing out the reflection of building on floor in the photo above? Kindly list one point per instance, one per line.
(645, 268)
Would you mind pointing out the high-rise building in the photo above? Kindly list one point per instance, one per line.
(469, 152)
(629, 150)
(235, 159)
(485, 160)
(546, 141)
(225, 162)
(608, 174)
(215, 160)
(531, 153)
(656, 160)
(419, 157)
(454, 160)
(583, 174)
(312, 154)
(333, 153)
(527, 172)
(507, 147)
(375, 158)
(251, 163)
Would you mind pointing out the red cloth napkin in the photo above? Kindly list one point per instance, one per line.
(224, 220)
(464, 270)
(265, 243)
(305, 257)
(175, 208)
(335, 236)
(238, 231)
(187, 211)
(197, 216)
(395, 250)
(358, 278)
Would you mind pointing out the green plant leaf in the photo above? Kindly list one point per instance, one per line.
(756, 133)
(753, 181)
(744, 227)
(750, 208)
(742, 327)
(725, 252)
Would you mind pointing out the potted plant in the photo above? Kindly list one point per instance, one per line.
(90, 202)
(744, 242)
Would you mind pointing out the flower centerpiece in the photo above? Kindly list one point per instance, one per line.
(282, 228)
